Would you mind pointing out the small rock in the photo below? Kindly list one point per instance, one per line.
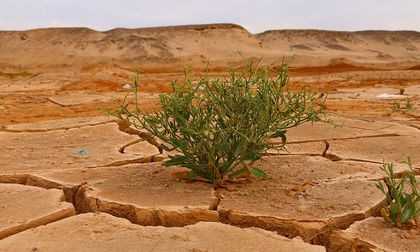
(240, 193)
(127, 86)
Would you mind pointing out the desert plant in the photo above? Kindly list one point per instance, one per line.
(220, 127)
(408, 106)
(403, 205)
(395, 106)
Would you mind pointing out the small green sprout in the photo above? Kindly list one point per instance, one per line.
(407, 107)
(403, 204)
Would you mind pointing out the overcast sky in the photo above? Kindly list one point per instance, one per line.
(255, 15)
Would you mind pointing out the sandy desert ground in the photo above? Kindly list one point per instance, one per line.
(72, 179)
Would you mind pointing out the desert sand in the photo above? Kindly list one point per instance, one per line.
(73, 179)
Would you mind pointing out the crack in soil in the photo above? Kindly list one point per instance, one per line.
(32, 180)
(56, 129)
(323, 154)
(122, 148)
(414, 126)
(79, 196)
(312, 231)
(141, 160)
(327, 146)
(87, 201)
(344, 138)
(58, 104)
(82, 198)
(289, 154)
(360, 160)
(367, 129)
(125, 127)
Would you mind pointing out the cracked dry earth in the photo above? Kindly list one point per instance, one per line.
(72, 179)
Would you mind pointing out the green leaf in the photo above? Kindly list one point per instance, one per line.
(165, 147)
(279, 133)
(283, 139)
(380, 186)
(175, 160)
(394, 210)
(224, 146)
(386, 217)
(253, 156)
(259, 173)
(188, 130)
(238, 173)
(407, 213)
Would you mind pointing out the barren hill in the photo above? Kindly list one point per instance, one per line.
(176, 46)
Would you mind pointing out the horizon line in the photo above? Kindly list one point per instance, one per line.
(203, 25)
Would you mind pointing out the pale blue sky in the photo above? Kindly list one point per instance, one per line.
(255, 15)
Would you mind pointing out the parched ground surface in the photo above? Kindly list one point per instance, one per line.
(74, 179)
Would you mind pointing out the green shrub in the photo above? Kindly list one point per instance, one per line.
(403, 205)
(407, 107)
(221, 127)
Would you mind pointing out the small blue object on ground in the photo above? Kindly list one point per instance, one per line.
(82, 152)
